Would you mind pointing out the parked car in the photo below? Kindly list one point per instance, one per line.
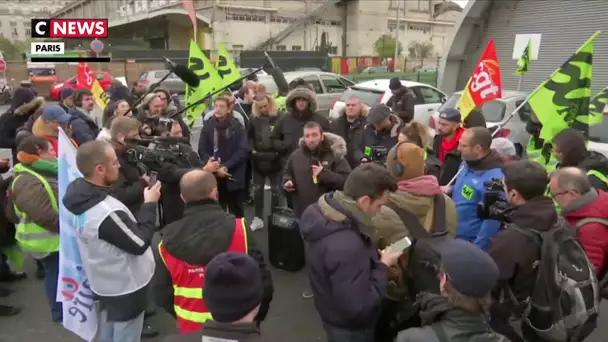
(428, 98)
(247, 71)
(376, 70)
(327, 86)
(598, 136)
(103, 77)
(173, 83)
(498, 112)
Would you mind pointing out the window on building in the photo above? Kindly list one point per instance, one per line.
(281, 48)
(13, 23)
(424, 28)
(237, 47)
(296, 48)
(422, 6)
(15, 34)
(392, 25)
(333, 50)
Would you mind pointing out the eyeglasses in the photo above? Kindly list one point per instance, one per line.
(554, 195)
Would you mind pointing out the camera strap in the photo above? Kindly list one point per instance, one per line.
(413, 225)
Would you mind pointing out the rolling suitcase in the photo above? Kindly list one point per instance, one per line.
(285, 245)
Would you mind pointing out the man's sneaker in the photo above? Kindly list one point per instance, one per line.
(6, 311)
(257, 224)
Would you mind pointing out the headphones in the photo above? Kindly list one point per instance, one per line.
(398, 168)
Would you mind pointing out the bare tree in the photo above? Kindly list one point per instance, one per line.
(421, 51)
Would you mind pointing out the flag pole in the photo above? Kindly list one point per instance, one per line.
(520, 83)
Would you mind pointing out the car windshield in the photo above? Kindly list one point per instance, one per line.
(367, 96)
(599, 133)
(493, 111)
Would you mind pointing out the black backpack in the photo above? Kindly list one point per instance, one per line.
(564, 303)
(424, 254)
(603, 277)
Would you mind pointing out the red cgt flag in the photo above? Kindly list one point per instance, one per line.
(485, 84)
(85, 75)
(191, 10)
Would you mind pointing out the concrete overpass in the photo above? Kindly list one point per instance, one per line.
(562, 25)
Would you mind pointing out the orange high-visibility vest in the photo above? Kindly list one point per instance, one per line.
(189, 280)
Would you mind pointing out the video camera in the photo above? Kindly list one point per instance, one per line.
(493, 205)
(156, 151)
(376, 154)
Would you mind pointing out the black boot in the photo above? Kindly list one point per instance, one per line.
(12, 276)
(39, 270)
(148, 331)
(7, 311)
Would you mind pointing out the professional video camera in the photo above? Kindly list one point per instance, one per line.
(493, 205)
(376, 154)
(156, 151)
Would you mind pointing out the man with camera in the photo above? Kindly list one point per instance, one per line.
(379, 136)
(515, 253)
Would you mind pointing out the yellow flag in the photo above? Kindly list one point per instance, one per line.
(100, 96)
(564, 97)
(210, 82)
(225, 66)
(597, 105)
(524, 60)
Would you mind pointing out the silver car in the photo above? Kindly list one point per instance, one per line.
(328, 86)
(173, 83)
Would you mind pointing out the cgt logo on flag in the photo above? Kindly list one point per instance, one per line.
(484, 85)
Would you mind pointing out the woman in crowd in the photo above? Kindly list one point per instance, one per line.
(113, 110)
(418, 133)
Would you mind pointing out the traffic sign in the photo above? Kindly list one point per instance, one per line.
(97, 46)
(2, 65)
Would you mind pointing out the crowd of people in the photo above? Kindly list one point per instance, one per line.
(407, 237)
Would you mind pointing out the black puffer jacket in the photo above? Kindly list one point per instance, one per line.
(23, 105)
(386, 138)
(439, 316)
(573, 147)
(264, 156)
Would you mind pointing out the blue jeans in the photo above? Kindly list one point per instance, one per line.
(51, 273)
(335, 334)
(129, 331)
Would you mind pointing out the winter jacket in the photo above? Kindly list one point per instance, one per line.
(17, 115)
(290, 127)
(26, 129)
(403, 104)
(30, 196)
(238, 150)
(204, 231)
(84, 127)
(469, 190)
(439, 316)
(593, 236)
(517, 270)
(265, 158)
(222, 332)
(347, 278)
(242, 118)
(452, 160)
(371, 138)
(298, 169)
(598, 162)
(352, 133)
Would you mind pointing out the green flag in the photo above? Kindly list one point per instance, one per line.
(210, 81)
(596, 108)
(564, 97)
(524, 60)
(226, 67)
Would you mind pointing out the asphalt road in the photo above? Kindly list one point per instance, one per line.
(291, 317)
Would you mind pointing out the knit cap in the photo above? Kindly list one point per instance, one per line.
(233, 286)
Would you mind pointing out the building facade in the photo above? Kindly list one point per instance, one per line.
(350, 26)
(15, 16)
(560, 27)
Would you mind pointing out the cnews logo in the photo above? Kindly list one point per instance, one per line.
(69, 28)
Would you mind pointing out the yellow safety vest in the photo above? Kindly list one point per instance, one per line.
(32, 237)
(598, 174)
(535, 154)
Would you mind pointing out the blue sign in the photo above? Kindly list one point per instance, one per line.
(97, 46)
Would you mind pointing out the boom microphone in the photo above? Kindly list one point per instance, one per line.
(277, 75)
(185, 74)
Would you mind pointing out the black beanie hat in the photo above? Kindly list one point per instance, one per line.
(233, 286)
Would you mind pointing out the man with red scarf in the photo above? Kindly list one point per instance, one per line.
(445, 143)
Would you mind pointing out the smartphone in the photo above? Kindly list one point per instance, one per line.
(400, 246)
(153, 178)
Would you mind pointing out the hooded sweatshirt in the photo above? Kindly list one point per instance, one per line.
(468, 190)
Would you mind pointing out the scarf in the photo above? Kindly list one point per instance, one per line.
(38, 164)
(449, 145)
(222, 127)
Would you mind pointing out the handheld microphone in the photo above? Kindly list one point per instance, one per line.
(185, 74)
